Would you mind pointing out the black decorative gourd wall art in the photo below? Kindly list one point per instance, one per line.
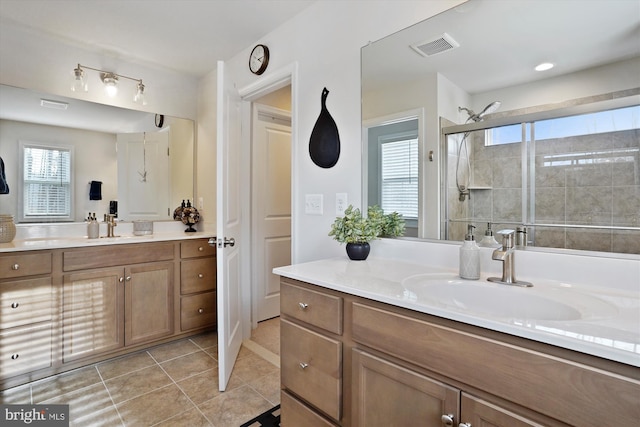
(324, 144)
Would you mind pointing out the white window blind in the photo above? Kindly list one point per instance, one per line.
(399, 174)
(46, 186)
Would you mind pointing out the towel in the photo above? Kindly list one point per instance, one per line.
(95, 190)
(4, 187)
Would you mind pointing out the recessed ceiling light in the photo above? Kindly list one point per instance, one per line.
(544, 66)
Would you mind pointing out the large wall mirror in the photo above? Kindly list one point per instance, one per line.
(451, 92)
(143, 161)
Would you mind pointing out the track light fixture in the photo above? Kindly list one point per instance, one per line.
(110, 80)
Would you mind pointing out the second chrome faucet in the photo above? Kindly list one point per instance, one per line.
(506, 254)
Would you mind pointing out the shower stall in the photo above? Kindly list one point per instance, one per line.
(567, 180)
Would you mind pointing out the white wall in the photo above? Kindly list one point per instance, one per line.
(325, 41)
(89, 146)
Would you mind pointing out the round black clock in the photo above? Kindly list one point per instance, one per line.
(259, 59)
(159, 120)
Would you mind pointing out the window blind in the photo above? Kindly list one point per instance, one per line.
(399, 174)
(47, 183)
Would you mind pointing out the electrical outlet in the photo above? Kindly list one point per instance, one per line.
(313, 204)
(201, 203)
(341, 203)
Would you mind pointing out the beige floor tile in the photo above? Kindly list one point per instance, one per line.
(268, 386)
(267, 334)
(172, 350)
(253, 367)
(206, 340)
(244, 352)
(189, 365)
(16, 396)
(235, 407)
(106, 418)
(124, 365)
(191, 418)
(154, 407)
(204, 386)
(143, 381)
(84, 403)
(64, 383)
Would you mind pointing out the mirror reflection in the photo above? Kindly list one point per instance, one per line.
(138, 163)
(567, 188)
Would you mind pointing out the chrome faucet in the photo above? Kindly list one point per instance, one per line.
(111, 224)
(506, 254)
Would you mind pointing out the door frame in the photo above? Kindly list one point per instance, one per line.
(279, 78)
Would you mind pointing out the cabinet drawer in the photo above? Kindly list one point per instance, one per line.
(25, 264)
(116, 255)
(197, 311)
(196, 248)
(294, 413)
(311, 367)
(25, 349)
(197, 275)
(25, 301)
(316, 308)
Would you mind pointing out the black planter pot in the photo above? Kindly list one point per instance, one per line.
(358, 251)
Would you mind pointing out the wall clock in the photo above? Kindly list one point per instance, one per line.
(259, 59)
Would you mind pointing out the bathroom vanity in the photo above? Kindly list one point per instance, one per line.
(386, 342)
(69, 302)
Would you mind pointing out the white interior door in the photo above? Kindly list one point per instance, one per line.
(228, 225)
(143, 175)
(271, 243)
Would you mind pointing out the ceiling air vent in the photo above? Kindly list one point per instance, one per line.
(437, 45)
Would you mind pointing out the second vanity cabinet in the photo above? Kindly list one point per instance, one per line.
(395, 366)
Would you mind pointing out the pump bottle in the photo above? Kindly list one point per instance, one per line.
(470, 256)
(488, 241)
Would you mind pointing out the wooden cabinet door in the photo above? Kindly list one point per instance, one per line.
(148, 302)
(386, 394)
(92, 316)
(478, 412)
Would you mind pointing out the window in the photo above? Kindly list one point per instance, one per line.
(47, 190)
(399, 175)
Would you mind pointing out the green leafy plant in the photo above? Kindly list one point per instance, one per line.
(354, 228)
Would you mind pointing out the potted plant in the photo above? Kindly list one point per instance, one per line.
(357, 231)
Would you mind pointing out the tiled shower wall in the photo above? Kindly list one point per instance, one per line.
(589, 180)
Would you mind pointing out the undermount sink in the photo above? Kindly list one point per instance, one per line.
(504, 301)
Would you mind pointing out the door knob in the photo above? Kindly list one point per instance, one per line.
(226, 242)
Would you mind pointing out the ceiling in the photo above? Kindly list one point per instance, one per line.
(187, 36)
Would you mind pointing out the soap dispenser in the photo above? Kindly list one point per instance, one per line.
(470, 256)
(488, 241)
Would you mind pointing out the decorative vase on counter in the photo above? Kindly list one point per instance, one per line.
(7, 228)
(358, 251)
(190, 216)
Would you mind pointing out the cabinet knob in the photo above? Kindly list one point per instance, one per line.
(200, 248)
(15, 356)
(121, 279)
(447, 420)
(201, 310)
(303, 306)
(14, 305)
(464, 425)
(128, 278)
(303, 365)
(200, 275)
(15, 267)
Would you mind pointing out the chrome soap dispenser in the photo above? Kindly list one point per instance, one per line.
(469, 256)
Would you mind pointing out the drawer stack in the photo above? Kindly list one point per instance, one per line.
(26, 312)
(197, 284)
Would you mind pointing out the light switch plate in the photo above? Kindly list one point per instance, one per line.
(341, 203)
(313, 204)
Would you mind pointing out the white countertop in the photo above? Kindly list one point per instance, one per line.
(607, 326)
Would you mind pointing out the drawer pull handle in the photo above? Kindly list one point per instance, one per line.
(303, 306)
(201, 310)
(200, 248)
(303, 365)
(447, 420)
(15, 356)
(200, 275)
(14, 305)
(15, 267)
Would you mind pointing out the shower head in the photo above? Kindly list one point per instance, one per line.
(487, 110)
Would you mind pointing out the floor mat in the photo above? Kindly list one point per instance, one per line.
(270, 418)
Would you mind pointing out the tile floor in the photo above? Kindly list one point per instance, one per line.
(174, 385)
